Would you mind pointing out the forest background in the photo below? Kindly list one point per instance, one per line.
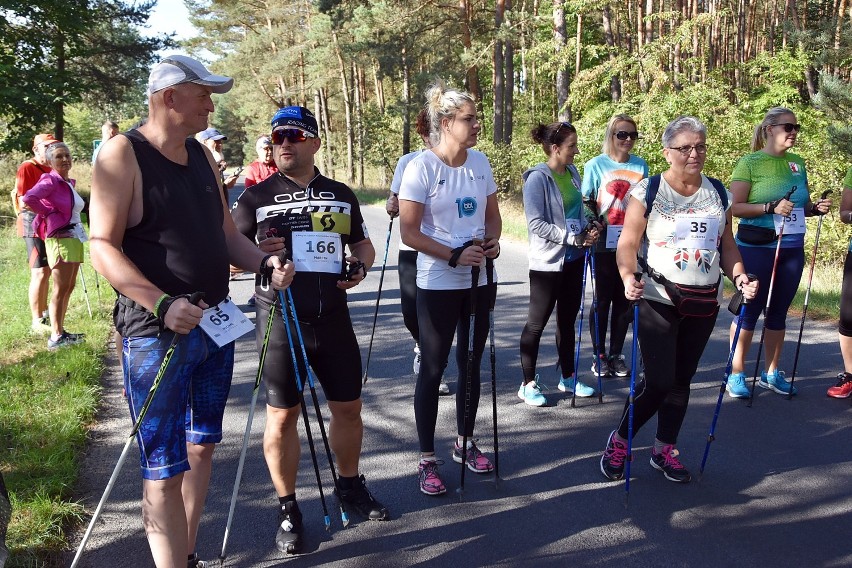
(363, 66)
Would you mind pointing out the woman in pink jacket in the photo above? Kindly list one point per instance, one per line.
(57, 206)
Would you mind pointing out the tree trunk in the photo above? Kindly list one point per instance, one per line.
(563, 78)
(472, 73)
(347, 105)
(380, 89)
(614, 83)
(59, 127)
(406, 101)
(326, 124)
(509, 87)
(497, 82)
(359, 121)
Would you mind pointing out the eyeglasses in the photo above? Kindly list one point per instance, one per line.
(685, 151)
(291, 134)
(624, 135)
(788, 126)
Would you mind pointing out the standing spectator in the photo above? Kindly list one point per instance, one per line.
(843, 388)
(407, 261)
(28, 174)
(155, 256)
(57, 206)
(109, 129)
(558, 235)
(264, 166)
(608, 178)
(450, 215)
(213, 139)
(759, 182)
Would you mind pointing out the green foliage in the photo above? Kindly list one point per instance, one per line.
(835, 99)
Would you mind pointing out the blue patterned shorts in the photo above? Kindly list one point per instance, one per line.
(189, 403)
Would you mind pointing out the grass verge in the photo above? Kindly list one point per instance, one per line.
(47, 401)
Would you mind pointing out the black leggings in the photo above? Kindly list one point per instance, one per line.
(671, 346)
(845, 326)
(440, 313)
(610, 290)
(408, 291)
(548, 289)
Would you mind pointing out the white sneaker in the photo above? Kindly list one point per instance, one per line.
(443, 388)
(416, 365)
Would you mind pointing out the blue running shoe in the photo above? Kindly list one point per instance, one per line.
(530, 393)
(568, 385)
(776, 382)
(737, 387)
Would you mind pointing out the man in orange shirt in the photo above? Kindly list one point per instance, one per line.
(28, 174)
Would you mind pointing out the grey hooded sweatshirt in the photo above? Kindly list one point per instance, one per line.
(549, 239)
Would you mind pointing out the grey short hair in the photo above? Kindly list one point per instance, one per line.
(51, 150)
(682, 124)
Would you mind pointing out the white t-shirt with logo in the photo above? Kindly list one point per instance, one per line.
(397, 181)
(454, 201)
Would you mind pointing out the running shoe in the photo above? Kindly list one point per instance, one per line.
(430, 481)
(570, 384)
(617, 366)
(602, 363)
(416, 365)
(776, 382)
(288, 537)
(737, 387)
(41, 326)
(64, 340)
(194, 562)
(612, 460)
(443, 387)
(530, 393)
(667, 462)
(359, 499)
(476, 460)
(843, 388)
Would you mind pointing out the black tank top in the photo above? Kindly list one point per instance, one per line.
(179, 244)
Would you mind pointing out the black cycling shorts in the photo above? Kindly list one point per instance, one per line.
(332, 350)
(36, 252)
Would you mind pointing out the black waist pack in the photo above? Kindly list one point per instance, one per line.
(754, 235)
(689, 300)
(693, 301)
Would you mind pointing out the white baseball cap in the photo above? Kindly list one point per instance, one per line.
(177, 69)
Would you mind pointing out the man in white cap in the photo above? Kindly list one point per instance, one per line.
(160, 232)
(264, 166)
(213, 139)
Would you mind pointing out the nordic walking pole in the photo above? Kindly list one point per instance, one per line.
(300, 388)
(807, 298)
(766, 307)
(474, 284)
(378, 299)
(630, 399)
(580, 331)
(86, 293)
(596, 347)
(712, 435)
(489, 273)
(242, 461)
(344, 517)
(193, 299)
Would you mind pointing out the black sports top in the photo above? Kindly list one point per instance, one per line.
(179, 244)
(326, 211)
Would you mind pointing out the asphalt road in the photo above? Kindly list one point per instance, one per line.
(775, 492)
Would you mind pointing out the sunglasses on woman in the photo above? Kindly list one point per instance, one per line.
(624, 135)
(789, 126)
(291, 134)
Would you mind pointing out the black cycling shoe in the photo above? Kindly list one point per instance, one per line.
(359, 499)
(288, 538)
(194, 562)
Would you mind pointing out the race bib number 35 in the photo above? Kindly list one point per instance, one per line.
(317, 252)
(696, 232)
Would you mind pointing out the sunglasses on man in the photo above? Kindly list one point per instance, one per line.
(291, 134)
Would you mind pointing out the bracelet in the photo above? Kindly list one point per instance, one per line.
(766, 208)
(264, 270)
(158, 305)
